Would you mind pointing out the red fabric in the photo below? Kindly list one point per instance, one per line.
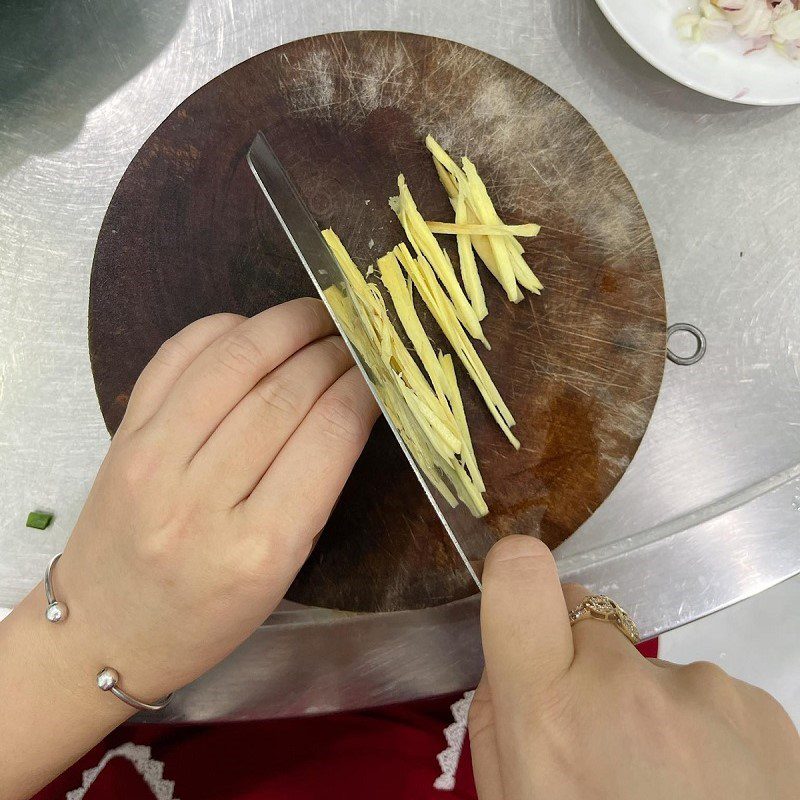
(388, 753)
(648, 649)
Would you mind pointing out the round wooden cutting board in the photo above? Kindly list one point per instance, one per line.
(189, 233)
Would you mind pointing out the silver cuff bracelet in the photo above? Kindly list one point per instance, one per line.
(107, 678)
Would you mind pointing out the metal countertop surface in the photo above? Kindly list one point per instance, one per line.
(709, 509)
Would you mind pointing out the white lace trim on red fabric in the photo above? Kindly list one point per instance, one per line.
(139, 755)
(455, 733)
(152, 771)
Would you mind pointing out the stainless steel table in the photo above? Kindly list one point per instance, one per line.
(708, 512)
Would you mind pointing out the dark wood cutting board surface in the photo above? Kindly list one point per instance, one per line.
(188, 233)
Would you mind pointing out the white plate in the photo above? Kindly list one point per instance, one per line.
(717, 69)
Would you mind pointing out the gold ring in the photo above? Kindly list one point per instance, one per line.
(599, 606)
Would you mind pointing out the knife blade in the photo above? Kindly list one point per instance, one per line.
(319, 262)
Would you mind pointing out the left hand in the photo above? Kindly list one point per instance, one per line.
(236, 443)
(237, 440)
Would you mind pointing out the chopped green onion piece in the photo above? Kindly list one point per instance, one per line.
(38, 519)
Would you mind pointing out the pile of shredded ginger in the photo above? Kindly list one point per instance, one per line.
(421, 394)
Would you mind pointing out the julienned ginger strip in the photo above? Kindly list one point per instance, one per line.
(475, 229)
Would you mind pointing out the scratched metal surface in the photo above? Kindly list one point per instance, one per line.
(706, 514)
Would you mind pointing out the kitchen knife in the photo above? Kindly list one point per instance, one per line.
(470, 536)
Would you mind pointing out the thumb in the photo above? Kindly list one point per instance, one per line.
(527, 640)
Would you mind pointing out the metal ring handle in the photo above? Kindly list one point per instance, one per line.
(700, 340)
